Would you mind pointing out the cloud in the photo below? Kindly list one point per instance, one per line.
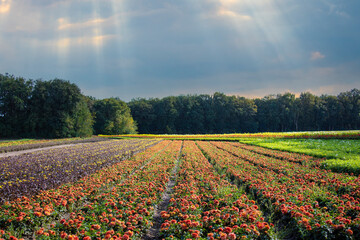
(81, 41)
(316, 56)
(63, 23)
(137, 48)
(229, 13)
(5, 6)
(336, 10)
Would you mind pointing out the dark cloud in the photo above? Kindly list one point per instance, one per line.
(157, 48)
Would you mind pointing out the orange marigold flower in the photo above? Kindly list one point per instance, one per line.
(38, 214)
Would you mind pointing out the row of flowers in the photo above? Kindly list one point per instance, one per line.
(18, 145)
(288, 156)
(27, 174)
(33, 141)
(354, 134)
(341, 184)
(205, 205)
(115, 202)
(311, 210)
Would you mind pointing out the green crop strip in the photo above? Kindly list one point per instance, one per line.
(341, 155)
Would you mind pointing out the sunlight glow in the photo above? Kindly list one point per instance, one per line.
(63, 43)
(66, 42)
(268, 29)
(5, 6)
(63, 24)
(228, 2)
(120, 30)
(271, 21)
(229, 13)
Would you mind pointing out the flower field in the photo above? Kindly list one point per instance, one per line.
(205, 205)
(223, 190)
(18, 145)
(314, 203)
(352, 134)
(29, 173)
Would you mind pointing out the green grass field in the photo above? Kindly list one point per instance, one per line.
(342, 155)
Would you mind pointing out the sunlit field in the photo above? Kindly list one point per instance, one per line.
(179, 189)
(179, 120)
(354, 134)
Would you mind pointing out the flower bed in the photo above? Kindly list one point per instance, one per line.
(27, 174)
(205, 205)
(18, 145)
(310, 210)
(112, 202)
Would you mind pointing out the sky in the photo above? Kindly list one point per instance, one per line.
(152, 48)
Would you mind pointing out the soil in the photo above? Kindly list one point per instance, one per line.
(153, 232)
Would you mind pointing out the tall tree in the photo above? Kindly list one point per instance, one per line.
(307, 111)
(83, 120)
(112, 116)
(332, 109)
(15, 94)
(350, 102)
(143, 111)
(55, 107)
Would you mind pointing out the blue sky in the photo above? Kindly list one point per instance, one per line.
(142, 48)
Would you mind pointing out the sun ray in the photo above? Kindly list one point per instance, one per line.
(262, 24)
(63, 42)
(5, 6)
(120, 32)
(97, 39)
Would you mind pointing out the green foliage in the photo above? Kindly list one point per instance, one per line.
(342, 155)
(195, 114)
(45, 109)
(15, 93)
(83, 124)
(112, 116)
(54, 109)
(219, 113)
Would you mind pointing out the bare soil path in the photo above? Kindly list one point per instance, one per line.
(153, 232)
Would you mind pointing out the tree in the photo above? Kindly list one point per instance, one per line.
(350, 102)
(112, 116)
(142, 112)
(268, 115)
(57, 111)
(15, 94)
(83, 120)
(287, 111)
(307, 111)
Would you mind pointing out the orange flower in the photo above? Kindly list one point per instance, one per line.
(38, 214)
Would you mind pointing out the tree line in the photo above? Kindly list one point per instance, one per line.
(57, 108)
(219, 113)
